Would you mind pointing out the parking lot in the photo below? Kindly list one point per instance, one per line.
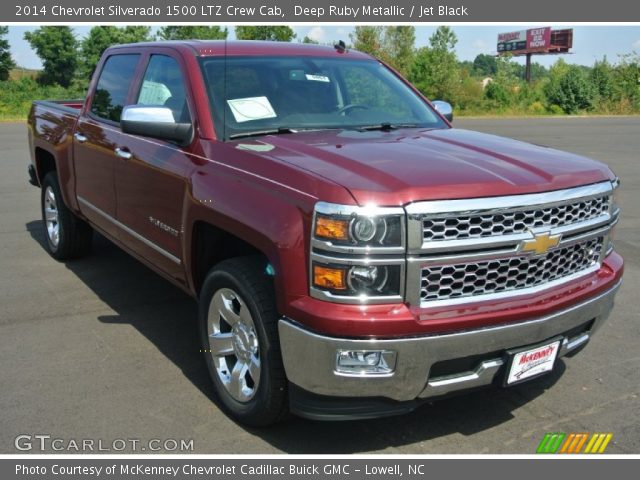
(102, 348)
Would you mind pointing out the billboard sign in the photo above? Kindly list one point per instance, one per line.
(525, 41)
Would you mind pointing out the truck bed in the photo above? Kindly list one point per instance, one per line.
(69, 106)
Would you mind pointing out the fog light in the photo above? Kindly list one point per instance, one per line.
(365, 362)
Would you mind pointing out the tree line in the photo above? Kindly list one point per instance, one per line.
(488, 84)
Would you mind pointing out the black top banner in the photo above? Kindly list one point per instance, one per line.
(347, 11)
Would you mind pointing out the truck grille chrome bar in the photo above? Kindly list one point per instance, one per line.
(462, 251)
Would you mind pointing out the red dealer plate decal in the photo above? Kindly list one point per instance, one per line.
(532, 362)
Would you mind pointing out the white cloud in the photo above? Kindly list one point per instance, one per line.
(636, 45)
(317, 33)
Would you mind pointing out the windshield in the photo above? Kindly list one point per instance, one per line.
(261, 95)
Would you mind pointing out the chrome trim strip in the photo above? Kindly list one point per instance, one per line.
(350, 249)
(348, 210)
(574, 343)
(482, 375)
(131, 232)
(513, 251)
(496, 241)
(357, 260)
(488, 204)
(359, 300)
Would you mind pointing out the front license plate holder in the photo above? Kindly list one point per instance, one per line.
(532, 361)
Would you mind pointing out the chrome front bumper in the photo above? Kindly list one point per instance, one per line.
(310, 359)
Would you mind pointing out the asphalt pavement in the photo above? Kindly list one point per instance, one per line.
(103, 349)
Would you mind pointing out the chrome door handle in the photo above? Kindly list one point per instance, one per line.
(80, 138)
(123, 153)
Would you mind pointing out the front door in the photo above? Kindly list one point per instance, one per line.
(151, 175)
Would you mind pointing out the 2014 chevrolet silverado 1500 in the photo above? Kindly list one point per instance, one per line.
(353, 255)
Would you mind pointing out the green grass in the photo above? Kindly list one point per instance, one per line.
(16, 96)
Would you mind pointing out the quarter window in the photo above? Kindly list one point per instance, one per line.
(111, 92)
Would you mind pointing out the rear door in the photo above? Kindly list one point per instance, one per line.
(151, 179)
(96, 139)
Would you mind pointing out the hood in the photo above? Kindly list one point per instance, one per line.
(406, 165)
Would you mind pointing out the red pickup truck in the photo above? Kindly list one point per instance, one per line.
(353, 255)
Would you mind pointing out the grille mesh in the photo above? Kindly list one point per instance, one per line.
(503, 223)
(481, 278)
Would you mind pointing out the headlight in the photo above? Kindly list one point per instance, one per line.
(357, 281)
(349, 228)
(357, 253)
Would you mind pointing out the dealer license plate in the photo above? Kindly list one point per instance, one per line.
(534, 361)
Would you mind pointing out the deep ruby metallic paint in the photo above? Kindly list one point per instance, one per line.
(267, 198)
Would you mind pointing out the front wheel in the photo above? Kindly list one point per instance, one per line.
(239, 330)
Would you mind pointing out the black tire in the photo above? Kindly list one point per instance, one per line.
(73, 238)
(246, 277)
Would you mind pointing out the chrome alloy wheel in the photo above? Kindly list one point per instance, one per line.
(51, 217)
(233, 344)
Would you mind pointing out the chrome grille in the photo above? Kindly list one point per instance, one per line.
(453, 281)
(462, 226)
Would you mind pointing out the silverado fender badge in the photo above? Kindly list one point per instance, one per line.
(540, 243)
(163, 226)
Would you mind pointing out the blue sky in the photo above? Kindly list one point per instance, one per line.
(590, 42)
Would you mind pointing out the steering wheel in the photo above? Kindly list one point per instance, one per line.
(351, 106)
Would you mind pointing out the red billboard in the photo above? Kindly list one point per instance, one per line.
(538, 39)
(525, 41)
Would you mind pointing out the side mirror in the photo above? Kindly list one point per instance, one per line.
(445, 109)
(155, 121)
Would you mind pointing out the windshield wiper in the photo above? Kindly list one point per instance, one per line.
(257, 133)
(386, 127)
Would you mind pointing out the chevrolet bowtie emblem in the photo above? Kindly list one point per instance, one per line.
(540, 243)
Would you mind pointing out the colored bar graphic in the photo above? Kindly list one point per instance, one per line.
(558, 442)
(550, 443)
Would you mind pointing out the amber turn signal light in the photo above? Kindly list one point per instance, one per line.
(331, 228)
(329, 278)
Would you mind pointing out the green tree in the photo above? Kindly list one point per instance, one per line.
(279, 33)
(368, 39)
(570, 89)
(188, 32)
(57, 48)
(435, 70)
(132, 34)
(97, 41)
(627, 80)
(100, 38)
(398, 47)
(306, 39)
(394, 45)
(485, 65)
(538, 72)
(6, 62)
(601, 77)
